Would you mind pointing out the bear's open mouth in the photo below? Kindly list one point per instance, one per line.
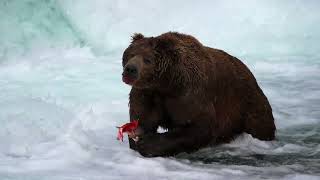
(128, 80)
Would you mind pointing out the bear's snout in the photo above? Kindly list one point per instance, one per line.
(131, 70)
(130, 73)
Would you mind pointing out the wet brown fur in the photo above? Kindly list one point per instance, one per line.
(201, 95)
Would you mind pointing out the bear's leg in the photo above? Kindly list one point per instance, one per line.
(259, 121)
(173, 142)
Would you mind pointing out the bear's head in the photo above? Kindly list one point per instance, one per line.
(168, 60)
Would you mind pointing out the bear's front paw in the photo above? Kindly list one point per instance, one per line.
(151, 145)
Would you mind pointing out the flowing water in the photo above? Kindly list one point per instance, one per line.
(62, 96)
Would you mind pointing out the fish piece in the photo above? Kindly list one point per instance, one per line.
(127, 128)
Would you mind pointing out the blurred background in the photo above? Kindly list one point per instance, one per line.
(62, 95)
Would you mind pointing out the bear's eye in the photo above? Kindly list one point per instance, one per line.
(147, 61)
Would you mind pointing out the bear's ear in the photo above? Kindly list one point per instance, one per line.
(136, 36)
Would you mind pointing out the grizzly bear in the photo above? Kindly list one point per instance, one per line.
(202, 96)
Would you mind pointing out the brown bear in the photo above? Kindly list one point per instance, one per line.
(202, 96)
